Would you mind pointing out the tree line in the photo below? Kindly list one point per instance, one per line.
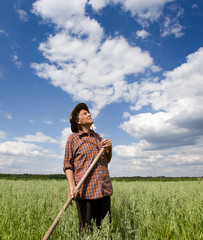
(27, 176)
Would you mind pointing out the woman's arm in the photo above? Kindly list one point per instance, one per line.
(106, 143)
(71, 182)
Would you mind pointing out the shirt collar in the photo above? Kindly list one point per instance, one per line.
(80, 133)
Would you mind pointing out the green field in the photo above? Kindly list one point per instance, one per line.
(140, 210)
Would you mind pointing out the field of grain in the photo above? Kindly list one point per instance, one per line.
(140, 210)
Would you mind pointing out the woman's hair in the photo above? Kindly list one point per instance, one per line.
(78, 115)
(77, 119)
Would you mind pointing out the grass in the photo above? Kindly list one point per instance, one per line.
(140, 210)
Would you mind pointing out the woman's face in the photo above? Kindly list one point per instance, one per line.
(85, 118)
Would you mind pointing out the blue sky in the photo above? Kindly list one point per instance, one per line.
(138, 66)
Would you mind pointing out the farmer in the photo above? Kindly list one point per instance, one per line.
(93, 198)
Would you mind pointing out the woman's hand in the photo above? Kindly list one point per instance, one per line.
(106, 143)
(71, 183)
(71, 192)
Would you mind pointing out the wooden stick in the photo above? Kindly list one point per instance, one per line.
(51, 229)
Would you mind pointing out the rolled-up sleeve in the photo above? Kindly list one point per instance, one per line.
(68, 158)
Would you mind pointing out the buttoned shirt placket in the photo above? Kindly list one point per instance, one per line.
(98, 166)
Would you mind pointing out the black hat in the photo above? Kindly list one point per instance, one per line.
(73, 115)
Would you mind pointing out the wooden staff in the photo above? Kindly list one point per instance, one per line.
(51, 229)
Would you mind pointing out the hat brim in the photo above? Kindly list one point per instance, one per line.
(73, 115)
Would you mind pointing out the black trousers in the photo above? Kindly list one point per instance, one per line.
(94, 209)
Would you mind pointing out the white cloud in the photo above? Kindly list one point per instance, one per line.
(6, 115)
(98, 5)
(3, 32)
(64, 120)
(19, 157)
(135, 161)
(177, 102)
(2, 134)
(90, 72)
(170, 139)
(50, 9)
(64, 136)
(143, 9)
(84, 71)
(48, 122)
(23, 156)
(16, 61)
(142, 34)
(171, 25)
(23, 16)
(146, 11)
(23, 149)
(195, 6)
(38, 137)
(69, 15)
(88, 65)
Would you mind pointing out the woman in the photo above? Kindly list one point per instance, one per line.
(93, 198)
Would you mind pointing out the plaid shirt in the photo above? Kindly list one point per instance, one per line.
(81, 149)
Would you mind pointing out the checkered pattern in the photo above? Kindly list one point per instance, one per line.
(81, 149)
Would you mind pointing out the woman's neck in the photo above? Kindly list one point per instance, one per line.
(85, 128)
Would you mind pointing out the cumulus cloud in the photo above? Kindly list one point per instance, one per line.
(142, 34)
(6, 115)
(2, 134)
(135, 161)
(64, 136)
(148, 11)
(23, 154)
(23, 16)
(84, 62)
(143, 9)
(49, 9)
(90, 66)
(69, 15)
(3, 32)
(177, 102)
(16, 61)
(93, 74)
(195, 6)
(171, 24)
(48, 122)
(81, 61)
(20, 148)
(38, 137)
(19, 157)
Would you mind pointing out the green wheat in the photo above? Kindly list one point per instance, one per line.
(140, 210)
